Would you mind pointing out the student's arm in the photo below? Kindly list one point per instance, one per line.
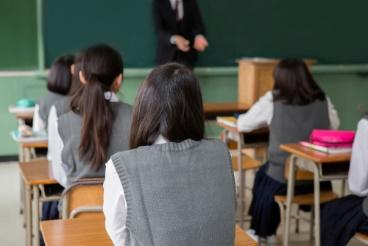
(114, 206)
(333, 115)
(55, 148)
(38, 124)
(258, 116)
(358, 173)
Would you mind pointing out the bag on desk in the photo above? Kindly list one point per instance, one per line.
(332, 138)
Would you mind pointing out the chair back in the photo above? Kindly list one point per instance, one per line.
(83, 199)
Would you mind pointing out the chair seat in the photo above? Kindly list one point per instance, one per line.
(362, 237)
(248, 163)
(308, 199)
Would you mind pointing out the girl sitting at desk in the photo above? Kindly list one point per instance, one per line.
(342, 218)
(58, 85)
(295, 107)
(174, 187)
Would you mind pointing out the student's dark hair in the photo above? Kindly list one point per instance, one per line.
(60, 77)
(169, 103)
(100, 66)
(294, 84)
(77, 64)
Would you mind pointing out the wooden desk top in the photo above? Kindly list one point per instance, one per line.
(235, 129)
(34, 144)
(314, 155)
(37, 172)
(225, 107)
(23, 114)
(81, 232)
(212, 110)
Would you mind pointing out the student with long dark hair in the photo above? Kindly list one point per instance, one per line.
(58, 86)
(98, 125)
(295, 107)
(342, 218)
(174, 187)
(62, 105)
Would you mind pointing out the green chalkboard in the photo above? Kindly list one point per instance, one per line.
(330, 31)
(18, 38)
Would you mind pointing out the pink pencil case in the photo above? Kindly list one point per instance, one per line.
(332, 138)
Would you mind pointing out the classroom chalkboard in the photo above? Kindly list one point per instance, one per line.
(18, 39)
(333, 32)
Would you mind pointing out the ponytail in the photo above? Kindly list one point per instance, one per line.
(100, 66)
(96, 126)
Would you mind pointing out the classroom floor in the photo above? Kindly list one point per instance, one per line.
(11, 228)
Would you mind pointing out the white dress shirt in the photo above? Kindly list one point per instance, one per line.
(115, 206)
(358, 172)
(38, 124)
(180, 7)
(56, 144)
(261, 113)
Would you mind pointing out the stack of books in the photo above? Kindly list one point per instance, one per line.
(327, 150)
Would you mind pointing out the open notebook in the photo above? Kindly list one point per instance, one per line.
(35, 137)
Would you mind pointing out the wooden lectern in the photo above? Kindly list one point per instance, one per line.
(255, 78)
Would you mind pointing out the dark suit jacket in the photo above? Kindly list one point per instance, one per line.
(166, 26)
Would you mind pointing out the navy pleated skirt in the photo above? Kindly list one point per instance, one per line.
(263, 209)
(341, 219)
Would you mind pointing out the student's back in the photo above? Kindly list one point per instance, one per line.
(292, 124)
(174, 187)
(97, 124)
(178, 193)
(70, 132)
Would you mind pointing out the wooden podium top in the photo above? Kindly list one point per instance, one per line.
(271, 61)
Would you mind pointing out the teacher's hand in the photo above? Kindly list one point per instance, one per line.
(200, 43)
(182, 43)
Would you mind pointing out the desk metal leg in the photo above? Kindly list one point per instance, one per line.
(28, 215)
(290, 196)
(36, 216)
(241, 173)
(317, 203)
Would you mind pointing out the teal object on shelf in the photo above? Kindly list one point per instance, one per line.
(25, 103)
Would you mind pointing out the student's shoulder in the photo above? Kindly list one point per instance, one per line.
(363, 122)
(122, 107)
(214, 144)
(121, 157)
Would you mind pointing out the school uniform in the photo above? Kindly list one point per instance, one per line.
(288, 124)
(67, 164)
(42, 110)
(171, 194)
(342, 218)
(59, 108)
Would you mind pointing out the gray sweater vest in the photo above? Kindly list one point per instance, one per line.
(62, 106)
(45, 104)
(178, 194)
(291, 124)
(69, 127)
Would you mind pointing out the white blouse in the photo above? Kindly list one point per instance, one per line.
(180, 7)
(261, 113)
(115, 206)
(38, 124)
(358, 172)
(56, 144)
